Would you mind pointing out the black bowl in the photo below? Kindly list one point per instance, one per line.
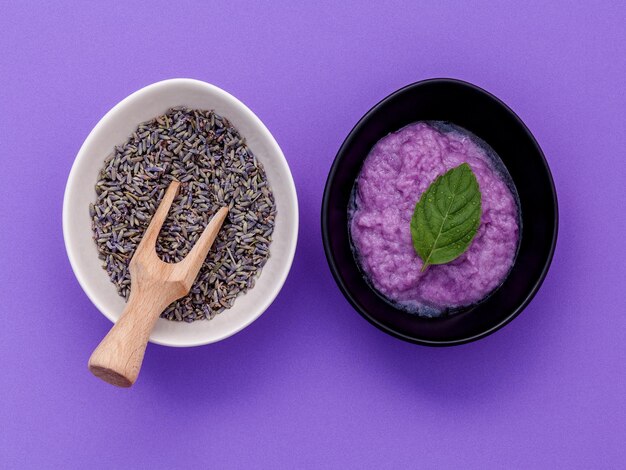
(490, 119)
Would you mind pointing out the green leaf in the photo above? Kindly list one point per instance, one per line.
(447, 216)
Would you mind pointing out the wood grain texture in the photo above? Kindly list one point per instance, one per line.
(154, 285)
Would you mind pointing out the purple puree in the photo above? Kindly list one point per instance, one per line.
(399, 168)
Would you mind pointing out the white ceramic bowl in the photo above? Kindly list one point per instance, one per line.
(114, 128)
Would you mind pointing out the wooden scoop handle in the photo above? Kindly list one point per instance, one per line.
(118, 358)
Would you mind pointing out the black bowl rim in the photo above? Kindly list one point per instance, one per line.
(326, 203)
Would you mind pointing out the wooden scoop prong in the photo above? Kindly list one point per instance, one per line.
(148, 241)
(192, 263)
(154, 285)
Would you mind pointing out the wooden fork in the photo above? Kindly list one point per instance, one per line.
(154, 285)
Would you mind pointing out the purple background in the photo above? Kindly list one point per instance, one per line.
(311, 384)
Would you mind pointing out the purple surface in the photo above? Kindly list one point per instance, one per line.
(311, 384)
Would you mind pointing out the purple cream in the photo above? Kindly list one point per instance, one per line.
(396, 172)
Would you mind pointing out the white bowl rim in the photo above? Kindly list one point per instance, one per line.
(67, 233)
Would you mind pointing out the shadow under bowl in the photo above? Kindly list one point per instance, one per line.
(483, 114)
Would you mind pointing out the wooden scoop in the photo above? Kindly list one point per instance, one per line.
(154, 285)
